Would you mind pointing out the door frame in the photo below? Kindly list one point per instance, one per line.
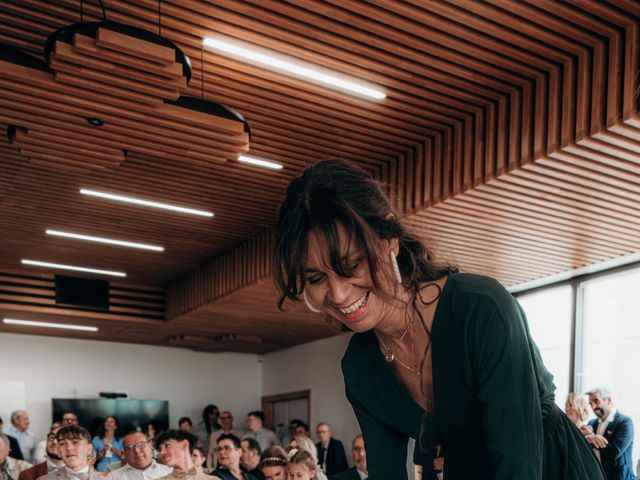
(269, 400)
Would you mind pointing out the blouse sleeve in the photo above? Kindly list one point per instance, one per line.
(386, 447)
(505, 376)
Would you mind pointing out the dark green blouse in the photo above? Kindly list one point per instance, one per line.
(491, 391)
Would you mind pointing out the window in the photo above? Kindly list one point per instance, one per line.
(550, 317)
(610, 343)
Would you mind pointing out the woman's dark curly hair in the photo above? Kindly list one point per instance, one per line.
(333, 194)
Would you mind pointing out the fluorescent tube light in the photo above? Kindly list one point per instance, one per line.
(109, 241)
(60, 266)
(259, 162)
(273, 60)
(66, 326)
(146, 203)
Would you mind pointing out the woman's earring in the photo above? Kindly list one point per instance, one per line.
(396, 268)
(309, 305)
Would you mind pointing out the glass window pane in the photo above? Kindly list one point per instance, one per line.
(611, 341)
(549, 315)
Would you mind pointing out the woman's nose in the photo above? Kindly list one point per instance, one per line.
(339, 290)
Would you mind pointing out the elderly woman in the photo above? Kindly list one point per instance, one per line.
(439, 356)
(577, 409)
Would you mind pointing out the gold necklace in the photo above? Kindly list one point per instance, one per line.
(389, 354)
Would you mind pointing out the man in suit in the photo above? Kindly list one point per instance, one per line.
(331, 456)
(10, 468)
(52, 462)
(74, 447)
(359, 469)
(612, 436)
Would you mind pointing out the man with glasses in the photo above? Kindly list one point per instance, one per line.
(226, 424)
(139, 463)
(176, 448)
(52, 461)
(69, 418)
(229, 452)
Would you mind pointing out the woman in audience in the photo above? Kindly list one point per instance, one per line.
(302, 466)
(438, 356)
(577, 409)
(199, 458)
(107, 444)
(303, 443)
(273, 463)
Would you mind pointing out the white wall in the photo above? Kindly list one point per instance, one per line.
(314, 366)
(68, 368)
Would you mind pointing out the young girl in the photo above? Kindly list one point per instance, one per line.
(302, 466)
(273, 463)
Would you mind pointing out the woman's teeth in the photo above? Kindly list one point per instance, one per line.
(357, 305)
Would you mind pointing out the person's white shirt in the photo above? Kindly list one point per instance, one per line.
(602, 426)
(152, 472)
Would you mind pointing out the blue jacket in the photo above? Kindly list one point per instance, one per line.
(616, 456)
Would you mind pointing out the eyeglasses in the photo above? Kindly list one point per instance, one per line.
(225, 448)
(51, 436)
(135, 446)
(226, 417)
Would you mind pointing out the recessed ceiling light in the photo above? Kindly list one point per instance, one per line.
(146, 203)
(275, 61)
(66, 326)
(109, 241)
(60, 266)
(259, 162)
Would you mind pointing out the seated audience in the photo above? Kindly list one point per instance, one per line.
(52, 460)
(209, 424)
(577, 409)
(69, 418)
(10, 468)
(40, 454)
(13, 445)
(74, 447)
(139, 462)
(359, 456)
(20, 431)
(185, 424)
(273, 463)
(264, 436)
(107, 444)
(302, 466)
(199, 459)
(612, 437)
(302, 442)
(331, 455)
(229, 452)
(250, 459)
(176, 448)
(226, 427)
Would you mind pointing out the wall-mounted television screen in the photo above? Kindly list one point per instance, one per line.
(131, 414)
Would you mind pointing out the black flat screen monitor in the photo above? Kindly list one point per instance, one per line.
(131, 414)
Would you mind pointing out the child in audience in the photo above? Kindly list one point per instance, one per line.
(302, 466)
(273, 463)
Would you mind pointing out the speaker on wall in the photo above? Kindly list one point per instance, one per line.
(82, 292)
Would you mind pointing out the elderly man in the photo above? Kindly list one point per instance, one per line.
(20, 431)
(265, 437)
(52, 460)
(226, 427)
(612, 436)
(331, 456)
(140, 464)
(229, 453)
(74, 447)
(10, 468)
(250, 459)
(175, 448)
(359, 469)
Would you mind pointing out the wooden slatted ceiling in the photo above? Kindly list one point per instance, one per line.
(509, 138)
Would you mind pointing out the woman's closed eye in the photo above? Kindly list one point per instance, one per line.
(314, 279)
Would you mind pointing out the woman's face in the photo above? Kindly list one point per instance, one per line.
(571, 412)
(198, 458)
(110, 424)
(350, 300)
(293, 445)
(274, 473)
